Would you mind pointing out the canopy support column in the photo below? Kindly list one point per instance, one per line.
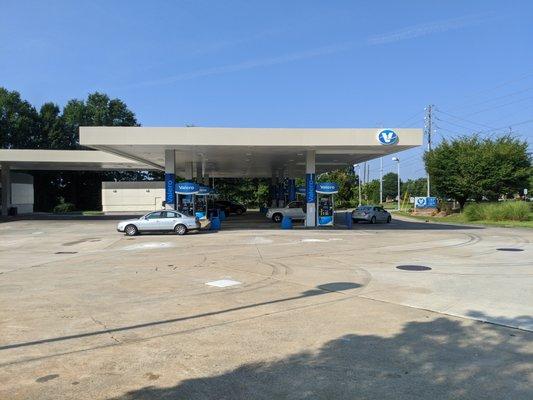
(310, 188)
(170, 179)
(6, 188)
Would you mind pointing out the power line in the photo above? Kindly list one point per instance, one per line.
(499, 106)
(496, 98)
(463, 119)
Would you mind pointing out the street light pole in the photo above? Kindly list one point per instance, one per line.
(358, 180)
(398, 165)
(380, 180)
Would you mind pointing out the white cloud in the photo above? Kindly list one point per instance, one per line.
(429, 28)
(262, 62)
(411, 32)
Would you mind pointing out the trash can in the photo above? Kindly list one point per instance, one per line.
(12, 211)
(215, 224)
(348, 219)
(222, 215)
(286, 223)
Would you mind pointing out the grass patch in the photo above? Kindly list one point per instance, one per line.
(461, 218)
(92, 213)
(503, 211)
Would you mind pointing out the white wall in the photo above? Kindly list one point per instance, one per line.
(22, 192)
(132, 196)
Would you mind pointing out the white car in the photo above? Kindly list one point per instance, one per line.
(159, 221)
(295, 210)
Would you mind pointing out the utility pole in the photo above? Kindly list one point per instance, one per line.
(429, 131)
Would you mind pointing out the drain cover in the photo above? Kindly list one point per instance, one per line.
(413, 267)
(66, 252)
(509, 249)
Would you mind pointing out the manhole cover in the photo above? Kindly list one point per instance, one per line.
(413, 267)
(66, 252)
(509, 249)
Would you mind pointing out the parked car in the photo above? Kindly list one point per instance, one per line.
(230, 207)
(371, 214)
(295, 210)
(159, 221)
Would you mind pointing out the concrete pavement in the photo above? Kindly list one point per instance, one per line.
(88, 313)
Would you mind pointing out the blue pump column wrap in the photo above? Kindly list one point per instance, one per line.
(310, 189)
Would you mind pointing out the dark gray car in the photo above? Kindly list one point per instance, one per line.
(371, 214)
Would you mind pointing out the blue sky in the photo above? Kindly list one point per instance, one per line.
(282, 63)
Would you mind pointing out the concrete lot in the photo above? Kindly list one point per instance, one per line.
(87, 313)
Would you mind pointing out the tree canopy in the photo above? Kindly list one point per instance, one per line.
(23, 127)
(473, 167)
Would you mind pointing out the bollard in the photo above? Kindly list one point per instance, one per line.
(286, 223)
(215, 224)
(348, 219)
(222, 215)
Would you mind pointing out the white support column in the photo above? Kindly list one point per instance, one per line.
(6, 188)
(310, 187)
(188, 170)
(170, 179)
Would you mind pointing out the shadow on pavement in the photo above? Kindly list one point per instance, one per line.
(439, 359)
(320, 290)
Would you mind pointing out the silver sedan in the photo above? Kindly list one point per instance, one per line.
(159, 221)
(371, 214)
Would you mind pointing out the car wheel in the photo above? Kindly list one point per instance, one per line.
(389, 219)
(277, 218)
(131, 230)
(373, 220)
(239, 211)
(180, 229)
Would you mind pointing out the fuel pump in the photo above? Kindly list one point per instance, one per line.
(325, 205)
(201, 201)
(185, 197)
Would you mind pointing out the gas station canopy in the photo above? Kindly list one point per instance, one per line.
(74, 160)
(247, 152)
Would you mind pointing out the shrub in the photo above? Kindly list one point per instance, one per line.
(504, 211)
(64, 207)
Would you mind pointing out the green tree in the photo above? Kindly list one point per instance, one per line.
(19, 123)
(471, 167)
(370, 192)
(415, 187)
(390, 185)
(347, 182)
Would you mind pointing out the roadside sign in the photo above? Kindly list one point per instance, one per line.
(425, 202)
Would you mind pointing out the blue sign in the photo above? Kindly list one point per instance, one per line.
(187, 188)
(170, 181)
(310, 194)
(204, 190)
(425, 202)
(327, 187)
(388, 137)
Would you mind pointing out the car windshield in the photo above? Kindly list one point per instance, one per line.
(366, 208)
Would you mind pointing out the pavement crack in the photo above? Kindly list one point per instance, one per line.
(103, 325)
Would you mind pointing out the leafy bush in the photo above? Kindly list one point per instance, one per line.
(504, 211)
(64, 207)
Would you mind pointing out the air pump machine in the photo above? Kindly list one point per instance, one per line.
(325, 205)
